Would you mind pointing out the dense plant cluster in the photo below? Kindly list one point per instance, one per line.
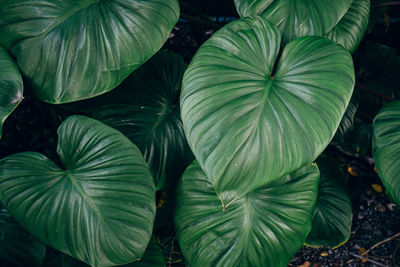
(224, 155)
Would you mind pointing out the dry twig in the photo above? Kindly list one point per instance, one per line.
(374, 246)
(380, 243)
(364, 258)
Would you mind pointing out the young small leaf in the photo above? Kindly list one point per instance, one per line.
(331, 224)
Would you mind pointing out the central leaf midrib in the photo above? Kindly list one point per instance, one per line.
(163, 113)
(78, 188)
(263, 102)
(70, 12)
(247, 218)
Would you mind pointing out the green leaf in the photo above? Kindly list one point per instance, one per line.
(347, 122)
(99, 209)
(11, 86)
(297, 18)
(262, 228)
(72, 50)
(153, 257)
(236, 110)
(18, 247)
(386, 147)
(351, 28)
(145, 108)
(331, 224)
(247, 8)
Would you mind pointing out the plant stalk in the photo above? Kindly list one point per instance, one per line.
(393, 3)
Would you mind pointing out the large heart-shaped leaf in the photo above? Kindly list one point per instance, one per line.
(99, 209)
(351, 28)
(262, 228)
(331, 224)
(297, 18)
(386, 147)
(245, 121)
(145, 108)
(11, 86)
(18, 248)
(71, 50)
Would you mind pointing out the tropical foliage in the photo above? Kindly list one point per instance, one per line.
(224, 156)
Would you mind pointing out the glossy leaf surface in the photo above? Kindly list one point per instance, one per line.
(297, 18)
(244, 121)
(263, 228)
(386, 147)
(145, 108)
(153, 257)
(351, 28)
(99, 209)
(71, 50)
(347, 122)
(11, 86)
(331, 224)
(18, 248)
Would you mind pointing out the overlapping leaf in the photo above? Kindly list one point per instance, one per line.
(344, 21)
(11, 86)
(386, 147)
(72, 50)
(262, 228)
(153, 257)
(145, 108)
(248, 124)
(350, 30)
(297, 18)
(18, 248)
(347, 122)
(99, 209)
(331, 224)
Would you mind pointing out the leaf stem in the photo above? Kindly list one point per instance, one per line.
(374, 92)
(380, 243)
(364, 258)
(393, 3)
(371, 248)
(208, 23)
